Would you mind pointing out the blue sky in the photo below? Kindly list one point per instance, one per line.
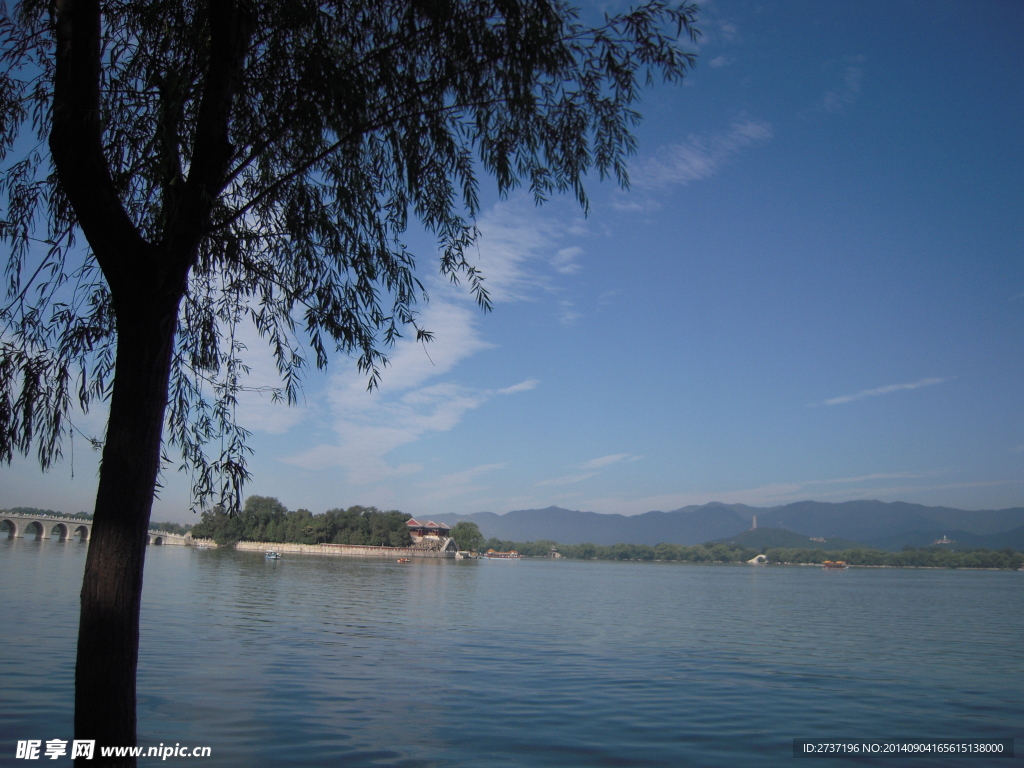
(813, 290)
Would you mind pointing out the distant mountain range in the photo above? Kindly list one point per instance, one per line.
(875, 524)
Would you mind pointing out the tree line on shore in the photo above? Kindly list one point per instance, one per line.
(264, 518)
(909, 557)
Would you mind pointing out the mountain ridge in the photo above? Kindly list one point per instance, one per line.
(888, 525)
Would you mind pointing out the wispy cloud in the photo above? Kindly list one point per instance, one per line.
(566, 260)
(604, 461)
(567, 312)
(874, 477)
(457, 484)
(523, 255)
(590, 469)
(521, 252)
(837, 99)
(879, 391)
(523, 386)
(565, 480)
(694, 159)
(720, 61)
(409, 404)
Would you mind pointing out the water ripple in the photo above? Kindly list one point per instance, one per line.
(316, 661)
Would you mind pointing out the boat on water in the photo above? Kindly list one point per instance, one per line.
(404, 560)
(510, 555)
(271, 555)
(835, 565)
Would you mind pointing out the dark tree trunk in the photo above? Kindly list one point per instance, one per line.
(147, 281)
(108, 632)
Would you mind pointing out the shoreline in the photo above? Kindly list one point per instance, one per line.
(344, 550)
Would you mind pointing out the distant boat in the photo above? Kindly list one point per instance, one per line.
(837, 565)
(510, 555)
(271, 555)
(404, 560)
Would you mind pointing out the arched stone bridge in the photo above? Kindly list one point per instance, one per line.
(67, 528)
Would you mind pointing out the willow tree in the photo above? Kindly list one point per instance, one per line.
(174, 168)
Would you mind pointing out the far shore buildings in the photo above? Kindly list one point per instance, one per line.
(429, 530)
(431, 535)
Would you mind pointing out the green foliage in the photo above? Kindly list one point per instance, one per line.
(676, 552)
(467, 536)
(265, 519)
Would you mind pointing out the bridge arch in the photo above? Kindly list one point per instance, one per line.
(42, 527)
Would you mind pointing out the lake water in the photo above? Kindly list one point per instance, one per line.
(315, 661)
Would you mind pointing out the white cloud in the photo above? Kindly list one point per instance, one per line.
(720, 61)
(567, 313)
(604, 461)
(589, 468)
(523, 386)
(565, 480)
(877, 476)
(466, 475)
(565, 260)
(521, 255)
(409, 403)
(886, 390)
(695, 159)
(521, 251)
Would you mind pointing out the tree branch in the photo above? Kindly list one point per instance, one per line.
(76, 139)
(230, 30)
